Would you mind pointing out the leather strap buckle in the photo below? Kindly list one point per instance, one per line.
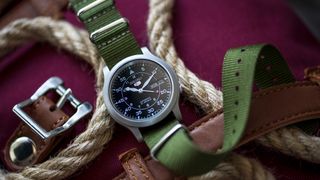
(56, 84)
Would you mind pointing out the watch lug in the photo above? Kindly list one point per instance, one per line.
(176, 112)
(180, 88)
(136, 132)
(146, 51)
(106, 71)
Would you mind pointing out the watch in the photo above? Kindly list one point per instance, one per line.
(141, 91)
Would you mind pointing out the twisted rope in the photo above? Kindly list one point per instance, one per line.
(237, 167)
(199, 92)
(90, 143)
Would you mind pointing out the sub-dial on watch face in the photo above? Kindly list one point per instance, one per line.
(140, 89)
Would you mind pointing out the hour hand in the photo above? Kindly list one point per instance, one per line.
(131, 89)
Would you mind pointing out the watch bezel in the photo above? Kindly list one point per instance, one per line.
(121, 119)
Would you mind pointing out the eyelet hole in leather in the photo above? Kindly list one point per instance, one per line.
(239, 61)
(233, 131)
(52, 108)
(237, 74)
(236, 102)
(242, 50)
(236, 88)
(235, 117)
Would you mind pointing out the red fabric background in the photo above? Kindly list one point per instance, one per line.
(203, 31)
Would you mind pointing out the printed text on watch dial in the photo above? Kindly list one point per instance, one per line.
(140, 89)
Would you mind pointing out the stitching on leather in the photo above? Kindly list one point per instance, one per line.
(62, 118)
(43, 143)
(281, 89)
(293, 116)
(20, 131)
(130, 170)
(137, 162)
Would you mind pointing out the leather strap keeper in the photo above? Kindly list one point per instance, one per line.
(271, 108)
(133, 162)
(43, 111)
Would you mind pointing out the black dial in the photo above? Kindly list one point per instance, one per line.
(140, 89)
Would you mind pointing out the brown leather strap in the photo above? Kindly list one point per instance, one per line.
(34, 8)
(271, 108)
(44, 113)
(133, 162)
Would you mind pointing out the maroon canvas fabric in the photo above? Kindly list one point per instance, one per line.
(203, 31)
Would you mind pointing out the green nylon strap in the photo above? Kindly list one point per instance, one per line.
(262, 63)
(113, 44)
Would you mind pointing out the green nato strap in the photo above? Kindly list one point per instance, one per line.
(168, 140)
(108, 30)
(262, 63)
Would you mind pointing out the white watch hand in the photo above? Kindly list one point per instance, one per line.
(137, 90)
(148, 80)
(147, 90)
(131, 89)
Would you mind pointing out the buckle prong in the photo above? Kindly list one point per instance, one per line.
(54, 83)
(63, 98)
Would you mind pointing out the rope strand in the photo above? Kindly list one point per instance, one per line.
(89, 144)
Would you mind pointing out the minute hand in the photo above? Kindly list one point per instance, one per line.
(147, 81)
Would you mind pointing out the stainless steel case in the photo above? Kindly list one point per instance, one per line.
(133, 125)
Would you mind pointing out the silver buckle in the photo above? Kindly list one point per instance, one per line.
(108, 27)
(89, 6)
(164, 139)
(54, 83)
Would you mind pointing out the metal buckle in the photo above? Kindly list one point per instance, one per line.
(164, 139)
(108, 27)
(89, 6)
(54, 83)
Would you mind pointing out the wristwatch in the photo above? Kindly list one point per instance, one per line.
(141, 91)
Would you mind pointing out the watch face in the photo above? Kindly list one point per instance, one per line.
(140, 89)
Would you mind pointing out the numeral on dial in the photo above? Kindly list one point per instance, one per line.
(151, 110)
(160, 102)
(122, 79)
(164, 91)
(119, 89)
(128, 109)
